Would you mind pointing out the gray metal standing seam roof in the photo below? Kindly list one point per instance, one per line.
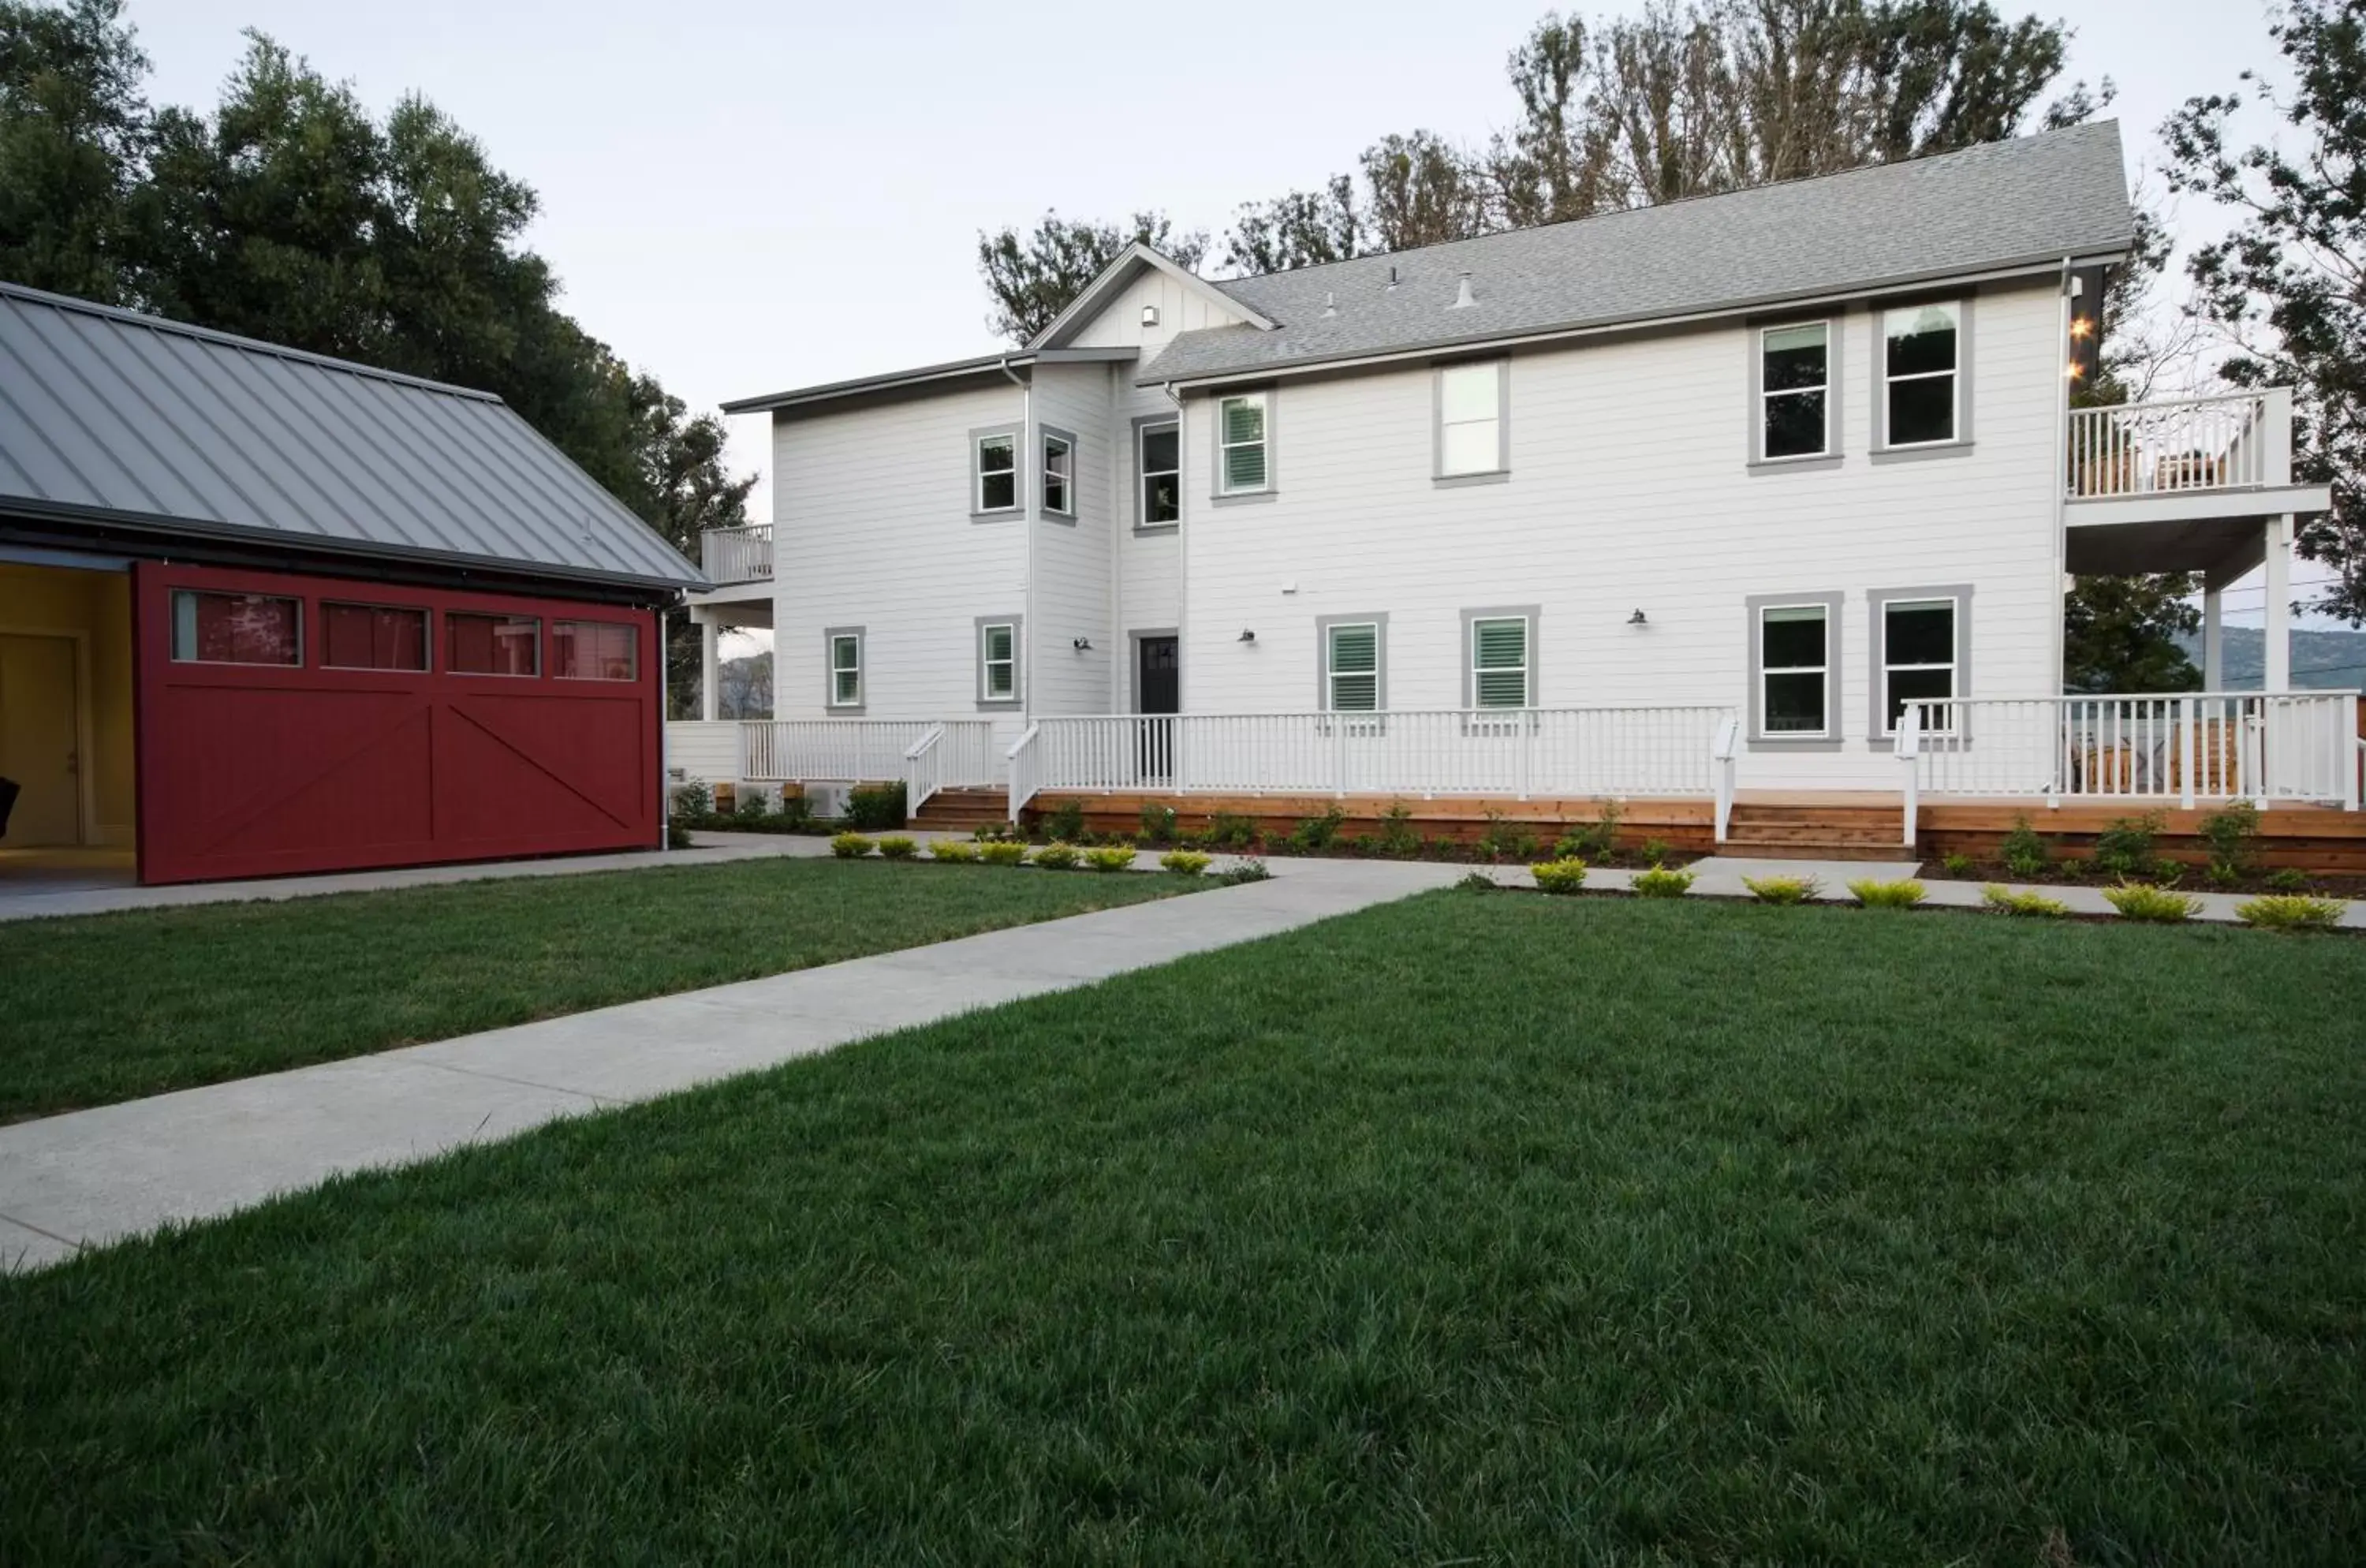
(2000, 205)
(112, 416)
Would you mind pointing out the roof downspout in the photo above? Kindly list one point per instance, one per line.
(1027, 464)
(2061, 475)
(1182, 556)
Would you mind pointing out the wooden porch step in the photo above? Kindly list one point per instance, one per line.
(960, 810)
(1743, 848)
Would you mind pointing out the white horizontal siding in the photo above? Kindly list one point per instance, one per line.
(1149, 566)
(1180, 310)
(1072, 558)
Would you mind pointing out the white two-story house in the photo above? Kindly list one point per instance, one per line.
(1709, 497)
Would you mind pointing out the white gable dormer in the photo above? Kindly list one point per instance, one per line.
(1141, 301)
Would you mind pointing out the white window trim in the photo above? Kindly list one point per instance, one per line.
(978, 442)
(1067, 481)
(1527, 665)
(1765, 398)
(831, 639)
(1225, 449)
(1954, 375)
(1144, 473)
(1881, 601)
(1824, 671)
(1500, 421)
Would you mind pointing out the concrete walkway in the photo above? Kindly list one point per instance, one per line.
(94, 1176)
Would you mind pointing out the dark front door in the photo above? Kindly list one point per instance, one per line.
(1158, 689)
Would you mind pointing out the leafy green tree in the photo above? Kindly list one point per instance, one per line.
(1033, 277)
(74, 133)
(2287, 285)
(1301, 229)
(2118, 634)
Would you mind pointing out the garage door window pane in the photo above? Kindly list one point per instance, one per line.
(492, 645)
(590, 651)
(236, 629)
(373, 636)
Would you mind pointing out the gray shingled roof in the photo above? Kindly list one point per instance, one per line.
(1999, 205)
(111, 416)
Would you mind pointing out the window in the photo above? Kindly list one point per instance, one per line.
(997, 661)
(1917, 660)
(1242, 462)
(236, 629)
(593, 651)
(373, 636)
(1059, 466)
(1794, 664)
(1499, 662)
(1352, 666)
(492, 645)
(846, 670)
(1794, 388)
(997, 473)
(1471, 419)
(1161, 448)
(1920, 356)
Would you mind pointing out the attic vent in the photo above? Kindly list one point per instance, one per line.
(1462, 300)
(1149, 315)
(1330, 304)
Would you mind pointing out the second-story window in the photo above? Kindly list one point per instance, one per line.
(1921, 354)
(1059, 475)
(997, 473)
(1243, 463)
(1795, 386)
(1162, 462)
(1470, 420)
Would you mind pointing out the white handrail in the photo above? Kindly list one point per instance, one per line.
(922, 771)
(865, 749)
(1909, 749)
(1729, 743)
(736, 555)
(2176, 444)
(1021, 761)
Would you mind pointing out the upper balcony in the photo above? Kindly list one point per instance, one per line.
(735, 557)
(2181, 484)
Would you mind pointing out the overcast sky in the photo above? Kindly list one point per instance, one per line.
(747, 195)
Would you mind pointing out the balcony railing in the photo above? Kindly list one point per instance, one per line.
(2240, 440)
(736, 555)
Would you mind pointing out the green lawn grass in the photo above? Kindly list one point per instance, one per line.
(103, 1008)
(1479, 1228)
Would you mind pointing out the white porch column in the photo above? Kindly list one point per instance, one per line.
(710, 677)
(2213, 640)
(2278, 676)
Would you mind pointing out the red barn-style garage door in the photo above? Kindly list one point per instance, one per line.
(306, 724)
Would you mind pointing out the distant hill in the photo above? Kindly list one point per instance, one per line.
(2321, 660)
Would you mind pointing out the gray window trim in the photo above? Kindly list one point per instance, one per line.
(1048, 433)
(829, 636)
(1502, 471)
(1018, 508)
(1961, 446)
(1018, 624)
(1835, 426)
(1150, 420)
(1379, 620)
(1216, 494)
(1531, 614)
(1835, 733)
(1877, 644)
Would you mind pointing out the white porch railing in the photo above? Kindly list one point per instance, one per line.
(954, 753)
(2184, 750)
(1515, 753)
(736, 555)
(861, 748)
(2230, 442)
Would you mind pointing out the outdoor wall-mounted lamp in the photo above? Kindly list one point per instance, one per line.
(1247, 635)
(1082, 643)
(1638, 619)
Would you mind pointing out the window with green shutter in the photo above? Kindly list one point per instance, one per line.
(845, 670)
(1241, 440)
(1499, 662)
(999, 659)
(1354, 667)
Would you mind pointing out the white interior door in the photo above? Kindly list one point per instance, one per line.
(37, 740)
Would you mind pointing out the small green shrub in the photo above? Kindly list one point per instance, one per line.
(1158, 824)
(1246, 869)
(2022, 851)
(751, 808)
(1957, 866)
(2232, 834)
(1875, 894)
(1656, 851)
(2291, 912)
(1185, 863)
(1559, 875)
(693, 799)
(1109, 857)
(2033, 905)
(1478, 882)
(2288, 879)
(2125, 849)
(1399, 841)
(1064, 823)
(849, 846)
(898, 848)
(1660, 883)
(872, 807)
(1315, 833)
(1596, 840)
(2136, 901)
(958, 851)
(1056, 856)
(2220, 875)
(1003, 851)
(1782, 889)
(796, 811)
(1231, 831)
(1504, 841)
(677, 836)
(996, 833)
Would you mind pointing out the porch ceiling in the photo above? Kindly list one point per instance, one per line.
(742, 604)
(2187, 531)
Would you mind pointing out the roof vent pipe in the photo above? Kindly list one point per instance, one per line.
(1462, 300)
(1330, 304)
(1393, 275)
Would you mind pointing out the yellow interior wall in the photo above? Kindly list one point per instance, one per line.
(98, 605)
